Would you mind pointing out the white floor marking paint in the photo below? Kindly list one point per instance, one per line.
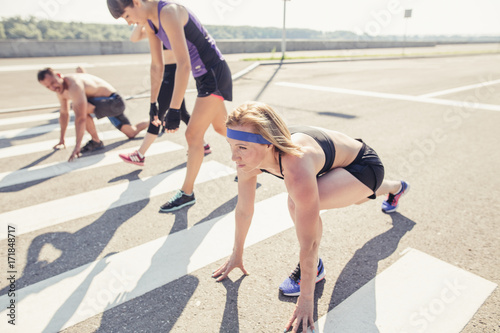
(417, 294)
(43, 129)
(459, 89)
(46, 145)
(81, 164)
(29, 119)
(69, 208)
(81, 293)
(459, 104)
(30, 108)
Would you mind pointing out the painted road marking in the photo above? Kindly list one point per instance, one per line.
(29, 119)
(83, 292)
(408, 98)
(459, 89)
(40, 146)
(43, 129)
(81, 164)
(30, 108)
(69, 208)
(417, 294)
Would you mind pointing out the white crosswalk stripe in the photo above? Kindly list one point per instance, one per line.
(29, 119)
(43, 129)
(46, 145)
(84, 163)
(70, 208)
(418, 293)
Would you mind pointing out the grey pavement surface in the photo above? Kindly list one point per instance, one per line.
(447, 153)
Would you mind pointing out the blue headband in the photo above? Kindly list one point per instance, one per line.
(246, 136)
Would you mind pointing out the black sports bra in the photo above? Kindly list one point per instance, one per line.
(322, 139)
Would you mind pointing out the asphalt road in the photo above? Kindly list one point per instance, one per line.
(441, 141)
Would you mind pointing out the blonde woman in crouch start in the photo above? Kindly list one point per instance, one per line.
(321, 168)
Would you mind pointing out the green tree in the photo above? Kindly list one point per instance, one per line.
(53, 35)
(44, 27)
(27, 31)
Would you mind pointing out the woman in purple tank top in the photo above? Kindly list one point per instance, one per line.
(195, 51)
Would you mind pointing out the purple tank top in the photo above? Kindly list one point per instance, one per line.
(203, 51)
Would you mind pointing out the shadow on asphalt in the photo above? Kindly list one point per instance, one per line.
(230, 319)
(257, 97)
(363, 266)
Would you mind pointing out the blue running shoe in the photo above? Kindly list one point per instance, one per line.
(391, 204)
(291, 286)
(179, 200)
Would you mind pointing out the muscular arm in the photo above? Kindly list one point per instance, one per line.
(173, 19)
(302, 187)
(244, 210)
(243, 218)
(138, 33)
(63, 120)
(156, 64)
(76, 92)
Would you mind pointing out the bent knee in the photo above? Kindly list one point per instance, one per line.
(220, 129)
(193, 137)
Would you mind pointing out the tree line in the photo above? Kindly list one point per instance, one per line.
(36, 29)
(32, 28)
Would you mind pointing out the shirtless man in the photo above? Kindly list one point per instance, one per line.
(89, 94)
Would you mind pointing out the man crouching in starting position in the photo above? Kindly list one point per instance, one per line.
(89, 94)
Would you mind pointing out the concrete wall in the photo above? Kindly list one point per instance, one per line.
(267, 45)
(29, 48)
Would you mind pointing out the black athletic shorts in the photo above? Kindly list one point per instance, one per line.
(217, 81)
(367, 168)
(111, 106)
(119, 121)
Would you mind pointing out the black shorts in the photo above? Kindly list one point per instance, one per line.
(111, 106)
(367, 168)
(217, 81)
(119, 121)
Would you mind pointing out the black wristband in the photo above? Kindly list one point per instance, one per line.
(153, 111)
(172, 119)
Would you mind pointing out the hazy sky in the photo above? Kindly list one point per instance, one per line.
(374, 17)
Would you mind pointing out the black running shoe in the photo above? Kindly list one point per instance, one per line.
(179, 200)
(91, 146)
